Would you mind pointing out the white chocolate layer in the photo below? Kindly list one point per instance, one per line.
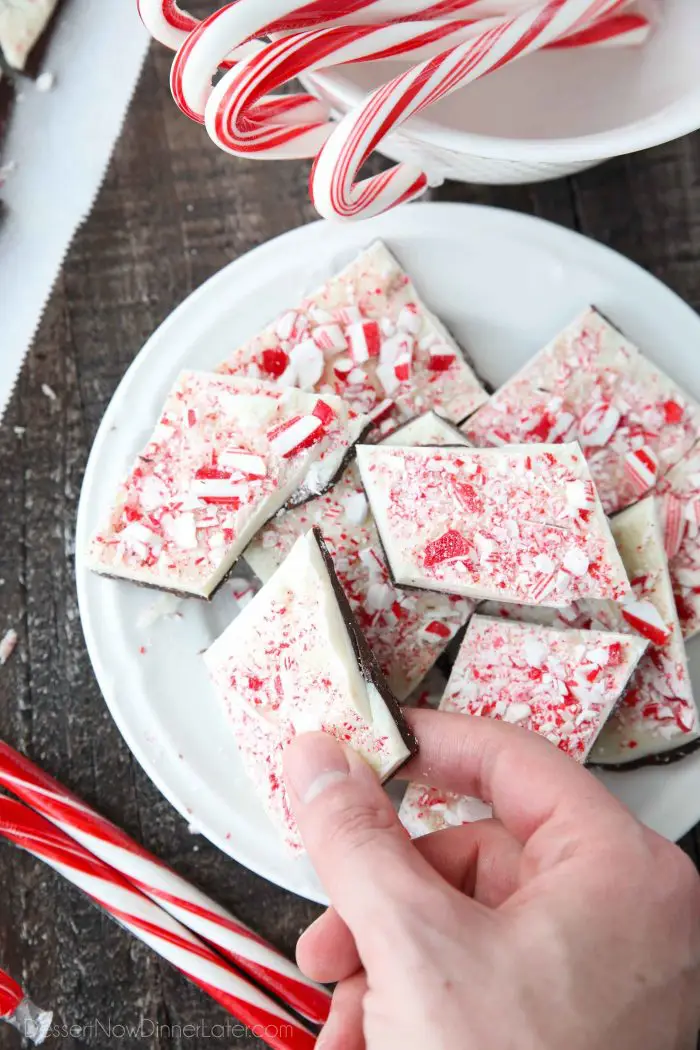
(658, 712)
(520, 524)
(592, 385)
(559, 684)
(406, 630)
(226, 454)
(367, 336)
(287, 665)
(680, 511)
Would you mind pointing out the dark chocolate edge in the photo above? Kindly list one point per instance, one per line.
(7, 98)
(188, 594)
(347, 459)
(664, 758)
(366, 660)
(492, 390)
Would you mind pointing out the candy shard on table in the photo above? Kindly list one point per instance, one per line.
(561, 684)
(226, 454)
(593, 385)
(657, 720)
(517, 524)
(407, 630)
(295, 660)
(679, 494)
(367, 336)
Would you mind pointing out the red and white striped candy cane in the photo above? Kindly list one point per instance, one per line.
(229, 34)
(170, 25)
(333, 188)
(185, 903)
(19, 1011)
(11, 995)
(153, 926)
(243, 117)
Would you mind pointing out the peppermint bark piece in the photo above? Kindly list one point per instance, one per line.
(367, 336)
(226, 454)
(22, 24)
(680, 512)
(295, 660)
(407, 630)
(517, 524)
(592, 385)
(657, 720)
(562, 684)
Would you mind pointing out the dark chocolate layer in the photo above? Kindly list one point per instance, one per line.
(299, 497)
(665, 758)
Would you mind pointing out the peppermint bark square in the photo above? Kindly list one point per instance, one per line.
(517, 524)
(226, 454)
(657, 720)
(592, 385)
(406, 630)
(296, 660)
(680, 510)
(22, 24)
(367, 336)
(562, 684)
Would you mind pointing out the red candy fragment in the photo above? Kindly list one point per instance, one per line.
(441, 359)
(324, 412)
(673, 413)
(647, 621)
(275, 362)
(295, 434)
(447, 547)
(365, 341)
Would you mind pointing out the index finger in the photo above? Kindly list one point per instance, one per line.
(528, 780)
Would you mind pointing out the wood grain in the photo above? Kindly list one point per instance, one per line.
(172, 211)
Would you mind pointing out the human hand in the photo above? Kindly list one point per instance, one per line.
(562, 924)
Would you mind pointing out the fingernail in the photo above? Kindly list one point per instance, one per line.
(314, 762)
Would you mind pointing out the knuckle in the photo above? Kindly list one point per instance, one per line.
(357, 824)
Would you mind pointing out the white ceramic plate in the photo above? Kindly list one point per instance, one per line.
(504, 283)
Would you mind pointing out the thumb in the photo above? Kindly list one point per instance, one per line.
(363, 856)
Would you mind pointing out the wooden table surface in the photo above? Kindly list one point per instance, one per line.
(172, 211)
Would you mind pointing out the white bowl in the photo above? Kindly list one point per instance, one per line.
(550, 114)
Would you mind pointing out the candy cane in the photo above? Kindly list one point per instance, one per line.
(229, 34)
(170, 25)
(243, 118)
(153, 926)
(185, 903)
(333, 187)
(19, 1011)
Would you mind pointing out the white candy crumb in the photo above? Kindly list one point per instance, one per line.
(576, 562)
(19, 431)
(49, 392)
(7, 646)
(6, 170)
(45, 82)
(356, 508)
(165, 606)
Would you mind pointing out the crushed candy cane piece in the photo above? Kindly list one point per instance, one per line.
(593, 385)
(8, 644)
(371, 313)
(430, 505)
